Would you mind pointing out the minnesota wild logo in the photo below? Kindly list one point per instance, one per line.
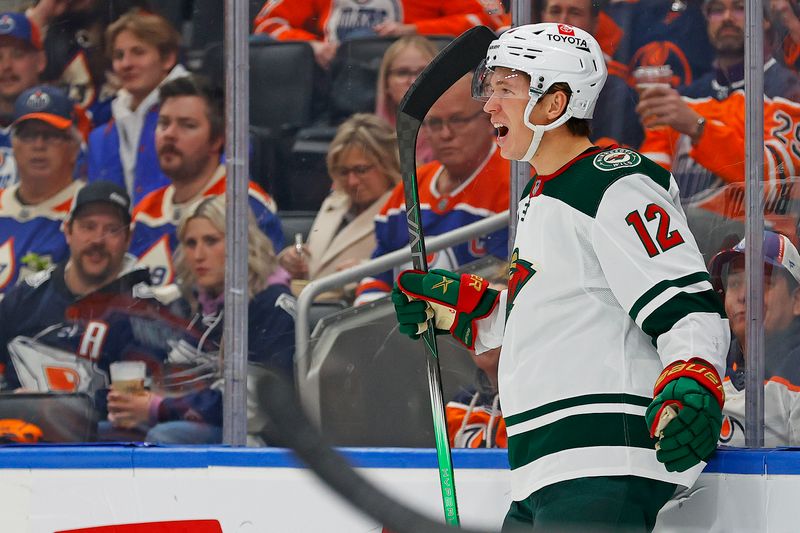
(616, 158)
(519, 272)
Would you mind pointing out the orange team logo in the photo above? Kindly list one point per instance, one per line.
(729, 428)
(664, 53)
(62, 379)
(519, 273)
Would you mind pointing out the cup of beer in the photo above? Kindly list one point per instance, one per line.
(652, 76)
(128, 376)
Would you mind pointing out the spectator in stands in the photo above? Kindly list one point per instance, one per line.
(364, 165)
(189, 138)
(704, 141)
(326, 23)
(21, 62)
(614, 120)
(74, 41)
(660, 32)
(97, 269)
(782, 340)
(402, 62)
(786, 14)
(725, 19)
(467, 181)
(46, 145)
(609, 34)
(143, 48)
(474, 419)
(196, 417)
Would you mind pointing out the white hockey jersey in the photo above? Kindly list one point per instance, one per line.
(606, 287)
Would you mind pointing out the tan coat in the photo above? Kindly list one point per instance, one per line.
(355, 241)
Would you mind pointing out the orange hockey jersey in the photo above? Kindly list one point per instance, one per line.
(325, 20)
(719, 155)
(482, 195)
(474, 422)
(711, 173)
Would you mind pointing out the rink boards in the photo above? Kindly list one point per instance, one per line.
(59, 488)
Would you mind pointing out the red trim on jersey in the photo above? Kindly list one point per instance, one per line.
(588, 153)
(64, 207)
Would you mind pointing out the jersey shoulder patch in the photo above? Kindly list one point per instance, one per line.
(616, 158)
(583, 185)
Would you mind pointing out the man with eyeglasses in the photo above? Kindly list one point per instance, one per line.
(46, 146)
(698, 134)
(467, 181)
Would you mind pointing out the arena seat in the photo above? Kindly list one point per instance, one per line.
(366, 384)
(354, 74)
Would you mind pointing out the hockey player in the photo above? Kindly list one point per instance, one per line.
(611, 332)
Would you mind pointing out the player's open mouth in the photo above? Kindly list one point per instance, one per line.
(502, 130)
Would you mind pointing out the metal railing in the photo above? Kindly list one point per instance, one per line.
(376, 266)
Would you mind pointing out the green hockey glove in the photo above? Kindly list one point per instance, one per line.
(686, 414)
(454, 302)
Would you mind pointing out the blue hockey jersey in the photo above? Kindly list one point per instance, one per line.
(31, 229)
(60, 342)
(156, 217)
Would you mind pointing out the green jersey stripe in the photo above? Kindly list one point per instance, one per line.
(579, 431)
(586, 399)
(660, 287)
(665, 317)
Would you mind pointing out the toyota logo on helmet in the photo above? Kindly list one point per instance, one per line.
(548, 53)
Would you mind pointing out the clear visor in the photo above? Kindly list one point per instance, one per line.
(500, 82)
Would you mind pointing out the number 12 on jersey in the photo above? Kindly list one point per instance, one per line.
(665, 238)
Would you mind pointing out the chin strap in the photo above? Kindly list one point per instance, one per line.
(538, 130)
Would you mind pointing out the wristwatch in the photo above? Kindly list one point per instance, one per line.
(699, 127)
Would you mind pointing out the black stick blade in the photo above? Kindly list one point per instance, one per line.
(456, 60)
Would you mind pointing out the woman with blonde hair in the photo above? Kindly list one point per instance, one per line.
(402, 62)
(175, 412)
(364, 165)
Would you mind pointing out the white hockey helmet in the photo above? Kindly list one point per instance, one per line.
(549, 53)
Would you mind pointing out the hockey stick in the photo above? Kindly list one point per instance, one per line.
(288, 426)
(450, 65)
